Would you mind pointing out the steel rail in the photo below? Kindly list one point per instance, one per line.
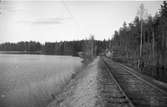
(129, 73)
(114, 79)
(147, 82)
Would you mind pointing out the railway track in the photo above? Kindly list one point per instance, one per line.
(139, 91)
(112, 93)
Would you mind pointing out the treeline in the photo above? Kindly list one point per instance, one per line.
(21, 46)
(55, 48)
(127, 43)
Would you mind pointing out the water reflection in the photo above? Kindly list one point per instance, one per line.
(33, 82)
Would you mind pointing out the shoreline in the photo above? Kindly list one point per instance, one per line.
(82, 90)
(33, 53)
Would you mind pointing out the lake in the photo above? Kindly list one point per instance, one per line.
(33, 80)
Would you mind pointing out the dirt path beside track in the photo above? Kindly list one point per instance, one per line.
(81, 91)
(89, 88)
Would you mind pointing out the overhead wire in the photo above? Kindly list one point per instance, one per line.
(71, 15)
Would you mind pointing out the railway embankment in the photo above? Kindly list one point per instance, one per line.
(81, 91)
(98, 86)
(92, 87)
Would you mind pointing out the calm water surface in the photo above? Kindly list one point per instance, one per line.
(33, 80)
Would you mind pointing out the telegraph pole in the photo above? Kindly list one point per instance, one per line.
(141, 13)
(141, 39)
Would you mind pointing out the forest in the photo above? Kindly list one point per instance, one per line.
(144, 41)
(141, 44)
(56, 48)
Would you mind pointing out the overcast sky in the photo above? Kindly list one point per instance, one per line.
(58, 20)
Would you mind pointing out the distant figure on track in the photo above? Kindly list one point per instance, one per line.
(141, 65)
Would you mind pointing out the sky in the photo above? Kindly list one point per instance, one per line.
(59, 20)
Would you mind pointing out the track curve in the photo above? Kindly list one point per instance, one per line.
(139, 91)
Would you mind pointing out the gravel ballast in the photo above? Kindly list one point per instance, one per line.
(91, 87)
